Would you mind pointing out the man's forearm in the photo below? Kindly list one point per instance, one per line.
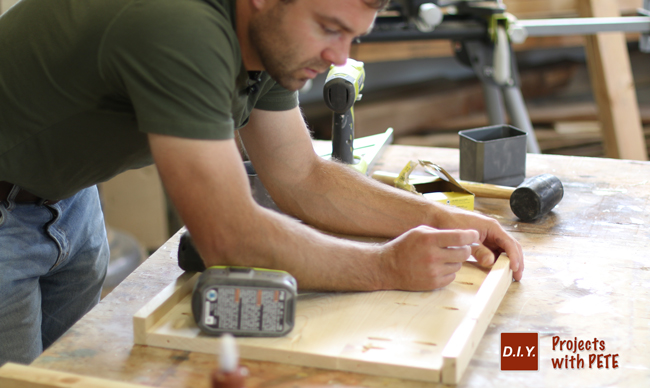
(339, 199)
(320, 262)
(207, 183)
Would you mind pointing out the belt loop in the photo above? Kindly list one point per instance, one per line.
(45, 202)
(12, 196)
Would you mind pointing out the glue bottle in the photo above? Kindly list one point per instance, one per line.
(229, 374)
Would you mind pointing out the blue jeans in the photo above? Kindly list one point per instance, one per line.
(53, 260)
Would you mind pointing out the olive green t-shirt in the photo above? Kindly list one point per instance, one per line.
(83, 81)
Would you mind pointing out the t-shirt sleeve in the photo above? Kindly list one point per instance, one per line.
(277, 99)
(179, 81)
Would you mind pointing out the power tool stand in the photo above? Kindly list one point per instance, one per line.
(479, 28)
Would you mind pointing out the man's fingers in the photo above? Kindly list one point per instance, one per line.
(446, 280)
(455, 255)
(520, 271)
(486, 258)
(452, 238)
(483, 255)
(452, 268)
(516, 256)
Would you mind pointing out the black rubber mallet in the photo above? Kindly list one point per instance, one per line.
(530, 200)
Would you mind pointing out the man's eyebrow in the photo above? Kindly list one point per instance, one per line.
(345, 27)
(339, 22)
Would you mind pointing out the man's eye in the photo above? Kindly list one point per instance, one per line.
(329, 31)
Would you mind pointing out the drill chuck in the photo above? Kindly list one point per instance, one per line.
(343, 85)
(339, 95)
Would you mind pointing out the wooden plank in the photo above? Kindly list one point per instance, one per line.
(22, 376)
(397, 51)
(611, 78)
(540, 115)
(389, 333)
(146, 317)
(410, 49)
(460, 348)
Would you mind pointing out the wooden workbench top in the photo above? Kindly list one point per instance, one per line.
(587, 276)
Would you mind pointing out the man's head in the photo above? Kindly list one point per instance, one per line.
(295, 40)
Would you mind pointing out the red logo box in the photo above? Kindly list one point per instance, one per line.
(519, 351)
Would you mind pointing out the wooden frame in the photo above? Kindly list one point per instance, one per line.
(427, 336)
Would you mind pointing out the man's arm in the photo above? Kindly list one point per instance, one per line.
(207, 182)
(336, 198)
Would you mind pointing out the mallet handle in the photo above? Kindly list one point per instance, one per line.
(486, 190)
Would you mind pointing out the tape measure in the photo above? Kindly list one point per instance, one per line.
(242, 301)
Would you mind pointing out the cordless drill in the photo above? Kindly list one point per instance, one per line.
(342, 88)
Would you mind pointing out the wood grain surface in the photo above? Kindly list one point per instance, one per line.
(587, 275)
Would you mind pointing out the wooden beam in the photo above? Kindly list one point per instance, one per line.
(162, 304)
(399, 51)
(463, 343)
(411, 49)
(613, 86)
(22, 376)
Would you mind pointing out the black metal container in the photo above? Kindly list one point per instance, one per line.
(494, 154)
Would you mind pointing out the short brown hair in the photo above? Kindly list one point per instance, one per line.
(376, 4)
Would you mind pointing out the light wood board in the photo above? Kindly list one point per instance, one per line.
(22, 376)
(427, 336)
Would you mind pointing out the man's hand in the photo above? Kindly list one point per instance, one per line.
(493, 238)
(425, 258)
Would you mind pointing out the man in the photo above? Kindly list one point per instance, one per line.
(92, 88)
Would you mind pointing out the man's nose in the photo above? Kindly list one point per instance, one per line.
(337, 54)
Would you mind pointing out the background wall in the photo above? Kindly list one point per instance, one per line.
(5, 4)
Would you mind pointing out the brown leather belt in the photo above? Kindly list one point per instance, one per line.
(22, 196)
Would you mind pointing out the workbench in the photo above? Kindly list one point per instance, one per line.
(587, 276)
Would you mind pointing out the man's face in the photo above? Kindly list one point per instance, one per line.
(297, 40)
